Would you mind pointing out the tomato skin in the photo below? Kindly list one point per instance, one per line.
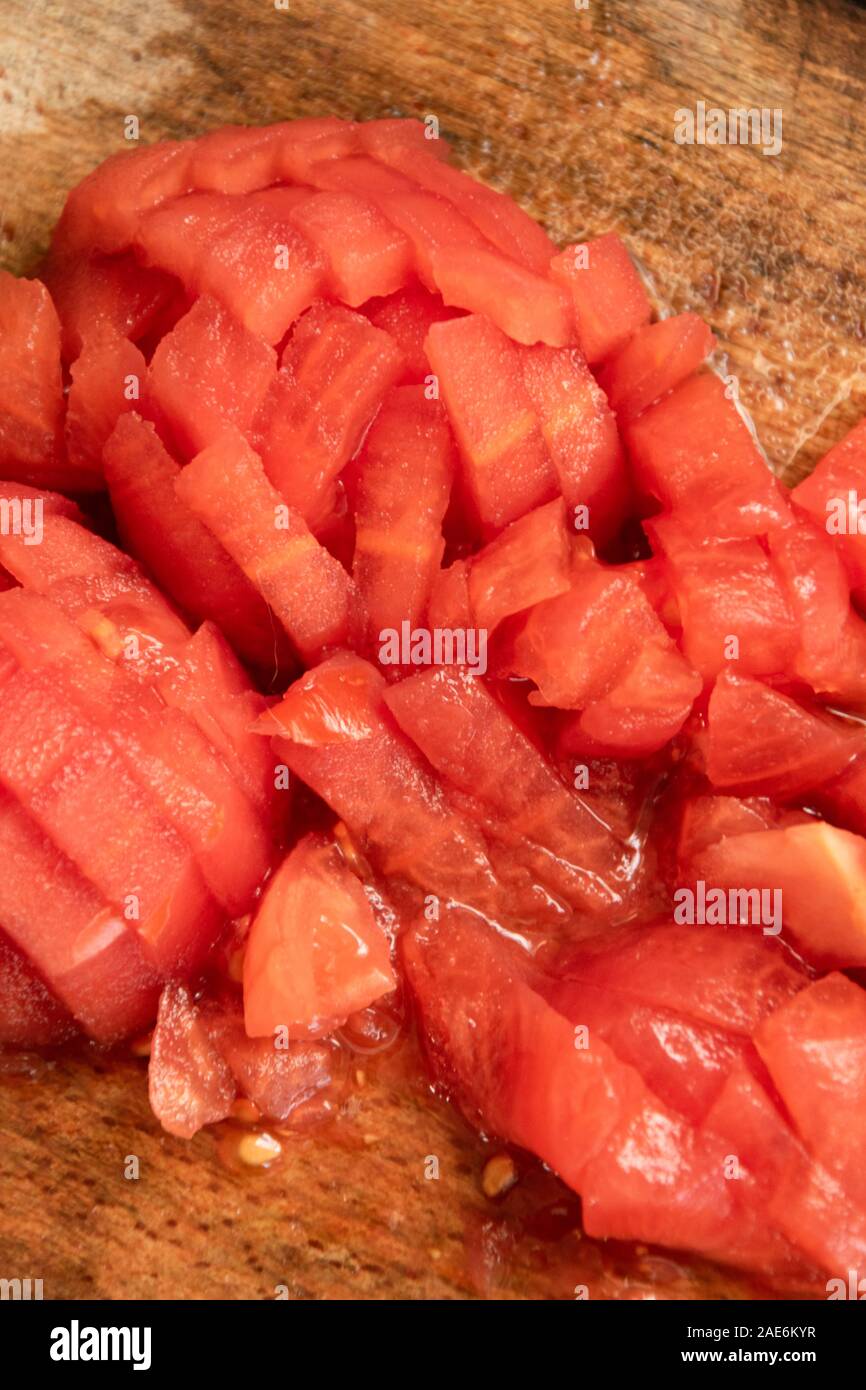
(610, 303)
(655, 360)
(315, 953)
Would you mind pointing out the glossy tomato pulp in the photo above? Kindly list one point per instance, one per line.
(402, 632)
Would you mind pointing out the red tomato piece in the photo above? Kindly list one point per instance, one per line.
(528, 562)
(831, 496)
(610, 302)
(726, 979)
(207, 682)
(404, 477)
(31, 388)
(226, 487)
(66, 774)
(449, 605)
(407, 317)
(160, 747)
(655, 360)
(694, 452)
(528, 307)
(508, 469)
(505, 225)
(207, 374)
(509, 1057)
(103, 212)
(731, 604)
(815, 1051)
(364, 253)
(315, 953)
(276, 1079)
(190, 1084)
(244, 251)
(178, 550)
(88, 955)
(470, 740)
(581, 437)
(399, 135)
(761, 741)
(335, 732)
(107, 378)
(335, 372)
(106, 295)
(30, 1016)
(819, 872)
(429, 222)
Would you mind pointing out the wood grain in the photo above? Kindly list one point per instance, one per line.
(573, 112)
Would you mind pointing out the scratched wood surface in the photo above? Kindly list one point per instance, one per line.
(572, 110)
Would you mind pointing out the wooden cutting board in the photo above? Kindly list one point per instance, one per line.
(572, 110)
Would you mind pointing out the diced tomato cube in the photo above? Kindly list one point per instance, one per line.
(365, 254)
(102, 213)
(206, 681)
(106, 295)
(505, 225)
(89, 956)
(407, 317)
(815, 1051)
(315, 953)
(820, 873)
(599, 648)
(581, 437)
(308, 590)
(831, 495)
(392, 137)
(761, 741)
(508, 469)
(334, 374)
(693, 451)
(731, 604)
(207, 374)
(107, 378)
(528, 562)
(403, 485)
(178, 550)
(31, 388)
(471, 740)
(655, 360)
(610, 302)
(242, 250)
(30, 1016)
(68, 777)
(161, 748)
(528, 307)
(334, 730)
(305, 144)
(429, 222)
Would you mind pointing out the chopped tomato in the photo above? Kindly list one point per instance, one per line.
(315, 952)
(610, 302)
(655, 360)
